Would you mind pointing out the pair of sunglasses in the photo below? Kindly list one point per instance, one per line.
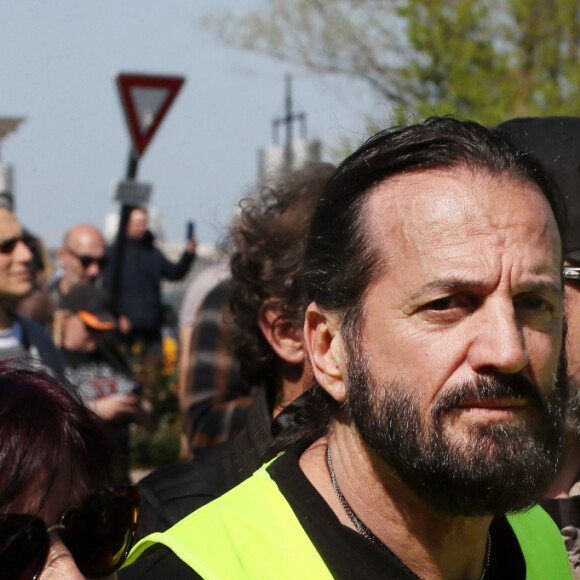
(98, 532)
(7, 246)
(86, 261)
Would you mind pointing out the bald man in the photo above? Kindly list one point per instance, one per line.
(81, 256)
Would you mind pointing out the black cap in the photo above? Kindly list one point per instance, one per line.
(91, 305)
(555, 143)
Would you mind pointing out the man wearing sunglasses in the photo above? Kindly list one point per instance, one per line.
(82, 258)
(19, 336)
(555, 142)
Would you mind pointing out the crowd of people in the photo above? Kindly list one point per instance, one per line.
(378, 379)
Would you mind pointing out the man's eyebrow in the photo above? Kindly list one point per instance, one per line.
(445, 284)
(455, 284)
(555, 288)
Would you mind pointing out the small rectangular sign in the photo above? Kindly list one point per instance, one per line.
(132, 192)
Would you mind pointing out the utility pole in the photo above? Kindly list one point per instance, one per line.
(7, 125)
(288, 121)
(275, 160)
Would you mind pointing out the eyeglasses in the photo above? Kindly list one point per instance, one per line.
(98, 532)
(572, 273)
(7, 246)
(86, 261)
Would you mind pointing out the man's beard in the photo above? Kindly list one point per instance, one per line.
(489, 468)
(573, 409)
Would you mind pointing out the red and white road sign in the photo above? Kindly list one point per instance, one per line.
(146, 100)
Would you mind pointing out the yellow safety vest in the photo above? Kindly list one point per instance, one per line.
(252, 533)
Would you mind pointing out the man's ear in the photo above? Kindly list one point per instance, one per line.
(61, 254)
(326, 350)
(284, 336)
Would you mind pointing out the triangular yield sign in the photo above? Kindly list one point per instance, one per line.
(146, 100)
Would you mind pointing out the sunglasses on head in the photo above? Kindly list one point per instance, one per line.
(98, 533)
(7, 246)
(86, 261)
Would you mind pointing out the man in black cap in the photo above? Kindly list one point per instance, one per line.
(93, 364)
(555, 142)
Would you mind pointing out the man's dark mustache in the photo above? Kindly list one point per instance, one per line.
(500, 387)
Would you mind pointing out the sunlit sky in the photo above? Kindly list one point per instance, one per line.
(58, 68)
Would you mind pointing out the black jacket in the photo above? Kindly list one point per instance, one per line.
(143, 268)
(172, 492)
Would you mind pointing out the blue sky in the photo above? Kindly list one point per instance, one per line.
(58, 67)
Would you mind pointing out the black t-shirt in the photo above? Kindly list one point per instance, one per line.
(347, 554)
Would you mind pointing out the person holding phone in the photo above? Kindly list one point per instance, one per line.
(139, 299)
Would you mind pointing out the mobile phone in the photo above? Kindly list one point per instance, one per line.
(190, 230)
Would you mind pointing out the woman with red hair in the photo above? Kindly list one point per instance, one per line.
(60, 516)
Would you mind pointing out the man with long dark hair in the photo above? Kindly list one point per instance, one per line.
(433, 266)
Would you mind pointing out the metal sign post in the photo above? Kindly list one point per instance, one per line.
(146, 99)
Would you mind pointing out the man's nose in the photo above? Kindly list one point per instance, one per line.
(498, 344)
(93, 269)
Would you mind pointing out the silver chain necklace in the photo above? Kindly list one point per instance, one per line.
(364, 530)
(361, 528)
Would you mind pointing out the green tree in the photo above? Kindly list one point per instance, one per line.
(487, 60)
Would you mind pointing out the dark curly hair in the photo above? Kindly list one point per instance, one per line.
(267, 250)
